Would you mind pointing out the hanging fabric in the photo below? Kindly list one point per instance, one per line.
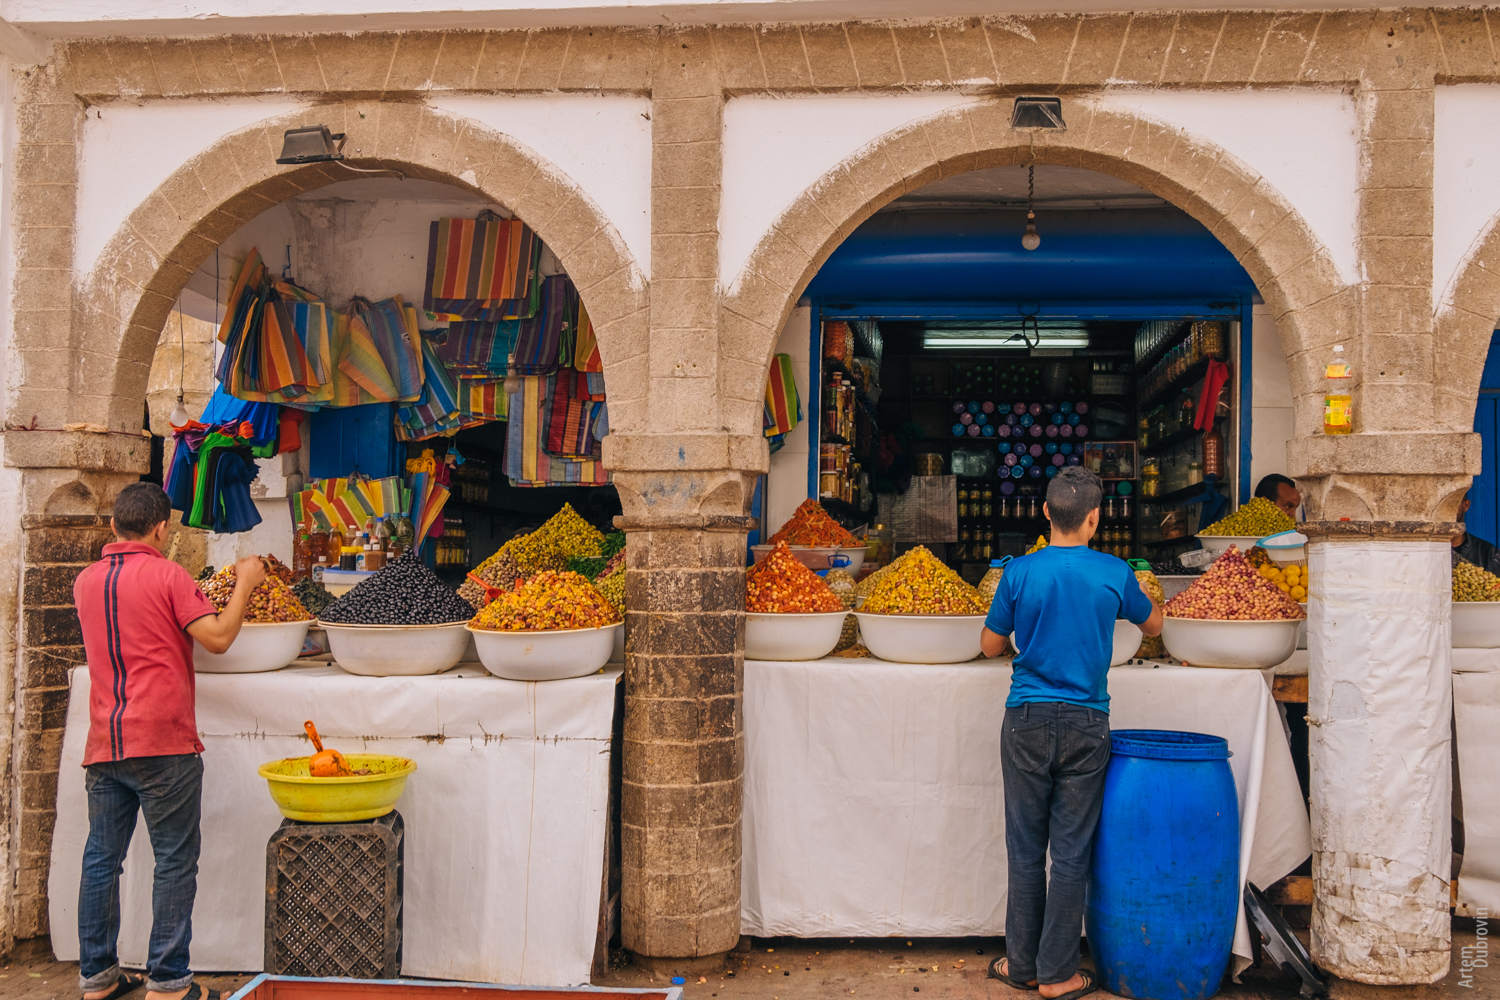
(783, 406)
(568, 416)
(481, 269)
(586, 351)
(275, 337)
(526, 461)
(392, 330)
(479, 350)
(436, 412)
(539, 339)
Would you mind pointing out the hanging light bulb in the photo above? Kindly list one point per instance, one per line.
(1031, 239)
(179, 416)
(512, 378)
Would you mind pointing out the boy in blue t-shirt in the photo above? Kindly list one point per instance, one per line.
(1061, 603)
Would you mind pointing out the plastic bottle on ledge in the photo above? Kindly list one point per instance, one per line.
(1338, 404)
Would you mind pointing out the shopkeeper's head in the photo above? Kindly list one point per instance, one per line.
(1282, 492)
(1073, 499)
(141, 514)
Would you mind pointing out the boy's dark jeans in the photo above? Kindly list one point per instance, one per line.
(1052, 758)
(168, 792)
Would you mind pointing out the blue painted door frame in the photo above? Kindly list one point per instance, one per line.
(1484, 495)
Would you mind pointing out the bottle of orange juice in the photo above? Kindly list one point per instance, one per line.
(1338, 404)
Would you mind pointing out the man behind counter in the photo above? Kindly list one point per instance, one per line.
(1282, 492)
(1470, 547)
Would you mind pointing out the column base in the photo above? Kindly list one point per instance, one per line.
(698, 966)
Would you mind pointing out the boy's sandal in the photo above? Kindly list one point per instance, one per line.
(127, 983)
(1015, 984)
(1089, 986)
(196, 992)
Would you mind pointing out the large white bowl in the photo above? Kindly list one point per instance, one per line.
(921, 638)
(1302, 629)
(1202, 642)
(792, 636)
(396, 650)
(545, 656)
(260, 646)
(1286, 547)
(1127, 640)
(1476, 624)
(819, 559)
(1219, 544)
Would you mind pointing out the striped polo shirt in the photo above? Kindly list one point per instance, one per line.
(134, 605)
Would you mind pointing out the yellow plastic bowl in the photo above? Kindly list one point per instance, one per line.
(302, 797)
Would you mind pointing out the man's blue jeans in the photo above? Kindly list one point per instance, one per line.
(1052, 758)
(168, 792)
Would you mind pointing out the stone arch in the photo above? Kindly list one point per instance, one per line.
(1463, 323)
(121, 305)
(1293, 271)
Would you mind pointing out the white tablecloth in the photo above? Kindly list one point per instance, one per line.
(1476, 734)
(873, 801)
(505, 816)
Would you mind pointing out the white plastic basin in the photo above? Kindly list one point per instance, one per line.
(792, 636)
(1286, 547)
(617, 652)
(1202, 642)
(820, 559)
(545, 656)
(921, 638)
(259, 647)
(1476, 624)
(396, 650)
(1127, 640)
(1174, 585)
(1219, 544)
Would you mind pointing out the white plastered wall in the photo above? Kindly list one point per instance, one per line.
(777, 148)
(1465, 179)
(601, 143)
(786, 483)
(1270, 398)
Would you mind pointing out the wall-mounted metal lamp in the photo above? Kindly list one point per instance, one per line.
(1037, 112)
(311, 144)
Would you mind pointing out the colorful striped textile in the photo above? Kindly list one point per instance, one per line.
(479, 402)
(539, 339)
(481, 269)
(479, 350)
(436, 412)
(275, 337)
(526, 462)
(361, 376)
(586, 351)
(392, 326)
(568, 417)
(783, 409)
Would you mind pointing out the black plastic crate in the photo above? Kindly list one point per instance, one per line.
(333, 898)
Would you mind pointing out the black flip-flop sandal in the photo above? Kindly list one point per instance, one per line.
(127, 983)
(197, 992)
(1014, 984)
(1089, 986)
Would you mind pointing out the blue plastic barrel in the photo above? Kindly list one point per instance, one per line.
(1164, 887)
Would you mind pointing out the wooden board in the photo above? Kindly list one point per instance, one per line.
(1290, 688)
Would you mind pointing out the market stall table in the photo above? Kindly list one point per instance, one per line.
(1476, 735)
(873, 801)
(505, 816)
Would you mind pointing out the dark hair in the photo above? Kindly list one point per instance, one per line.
(1271, 485)
(1073, 492)
(139, 508)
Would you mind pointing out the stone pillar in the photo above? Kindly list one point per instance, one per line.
(684, 738)
(1379, 705)
(1381, 502)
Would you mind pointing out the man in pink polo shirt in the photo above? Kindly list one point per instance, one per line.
(140, 613)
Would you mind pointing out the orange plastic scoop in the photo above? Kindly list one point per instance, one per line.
(324, 763)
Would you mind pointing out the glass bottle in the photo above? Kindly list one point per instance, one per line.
(383, 534)
(406, 538)
(336, 546)
(1338, 404)
(302, 556)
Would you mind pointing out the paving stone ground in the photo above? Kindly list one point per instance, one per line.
(788, 969)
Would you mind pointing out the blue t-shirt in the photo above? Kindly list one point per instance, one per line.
(1062, 603)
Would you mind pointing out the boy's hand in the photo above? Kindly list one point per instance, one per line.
(250, 571)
